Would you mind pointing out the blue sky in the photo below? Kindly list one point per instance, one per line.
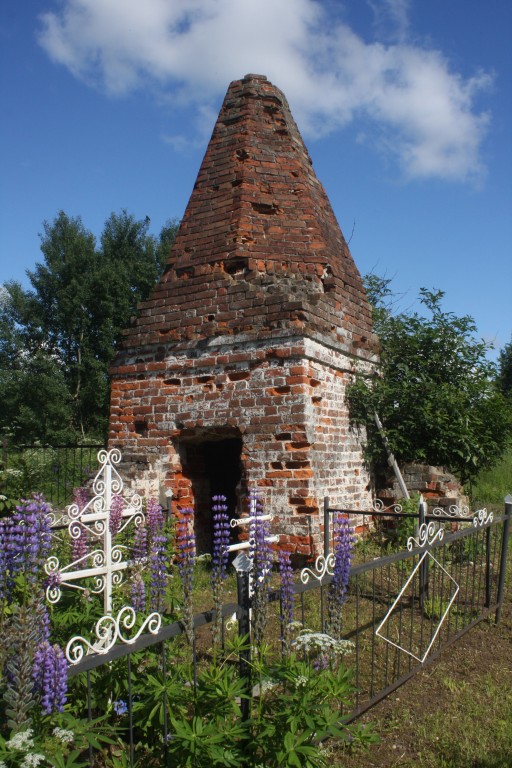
(405, 106)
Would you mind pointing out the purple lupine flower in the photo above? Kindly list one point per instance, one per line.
(186, 546)
(261, 553)
(140, 542)
(81, 498)
(138, 592)
(154, 518)
(156, 544)
(79, 532)
(42, 618)
(321, 662)
(34, 531)
(53, 580)
(287, 591)
(26, 540)
(158, 571)
(261, 556)
(115, 516)
(344, 540)
(10, 556)
(50, 677)
(221, 536)
(120, 707)
(5, 576)
(78, 543)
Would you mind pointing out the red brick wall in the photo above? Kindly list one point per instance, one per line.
(259, 246)
(286, 403)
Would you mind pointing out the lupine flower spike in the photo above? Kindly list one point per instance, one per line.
(262, 563)
(287, 597)
(116, 514)
(50, 677)
(186, 545)
(221, 529)
(157, 542)
(79, 543)
(25, 540)
(343, 548)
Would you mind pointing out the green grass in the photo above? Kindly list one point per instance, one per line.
(491, 487)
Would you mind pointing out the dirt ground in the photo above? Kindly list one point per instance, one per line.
(456, 713)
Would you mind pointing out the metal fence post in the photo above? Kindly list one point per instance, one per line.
(423, 573)
(242, 564)
(326, 526)
(488, 566)
(503, 563)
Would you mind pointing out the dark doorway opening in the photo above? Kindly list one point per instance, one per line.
(212, 462)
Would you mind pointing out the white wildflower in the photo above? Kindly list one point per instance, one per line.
(32, 760)
(267, 685)
(14, 472)
(319, 641)
(67, 737)
(301, 681)
(22, 740)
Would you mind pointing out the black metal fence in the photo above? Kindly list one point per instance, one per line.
(402, 610)
(53, 470)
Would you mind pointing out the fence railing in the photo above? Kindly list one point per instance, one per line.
(53, 470)
(402, 610)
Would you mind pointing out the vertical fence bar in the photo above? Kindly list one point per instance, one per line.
(357, 642)
(374, 625)
(503, 561)
(130, 709)
(494, 580)
(326, 526)
(165, 704)
(474, 563)
(488, 567)
(423, 574)
(244, 630)
(89, 715)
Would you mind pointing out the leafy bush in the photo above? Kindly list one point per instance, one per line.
(435, 390)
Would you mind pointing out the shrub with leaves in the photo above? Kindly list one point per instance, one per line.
(435, 389)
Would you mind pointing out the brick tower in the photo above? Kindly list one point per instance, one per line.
(233, 375)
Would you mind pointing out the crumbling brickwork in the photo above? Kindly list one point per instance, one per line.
(438, 487)
(234, 373)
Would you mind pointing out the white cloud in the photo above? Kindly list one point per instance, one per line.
(416, 107)
(391, 18)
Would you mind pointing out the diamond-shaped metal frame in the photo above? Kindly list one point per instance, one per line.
(426, 537)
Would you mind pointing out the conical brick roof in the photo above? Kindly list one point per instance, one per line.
(259, 249)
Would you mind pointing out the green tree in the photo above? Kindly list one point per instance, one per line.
(36, 404)
(58, 339)
(64, 303)
(505, 370)
(434, 390)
